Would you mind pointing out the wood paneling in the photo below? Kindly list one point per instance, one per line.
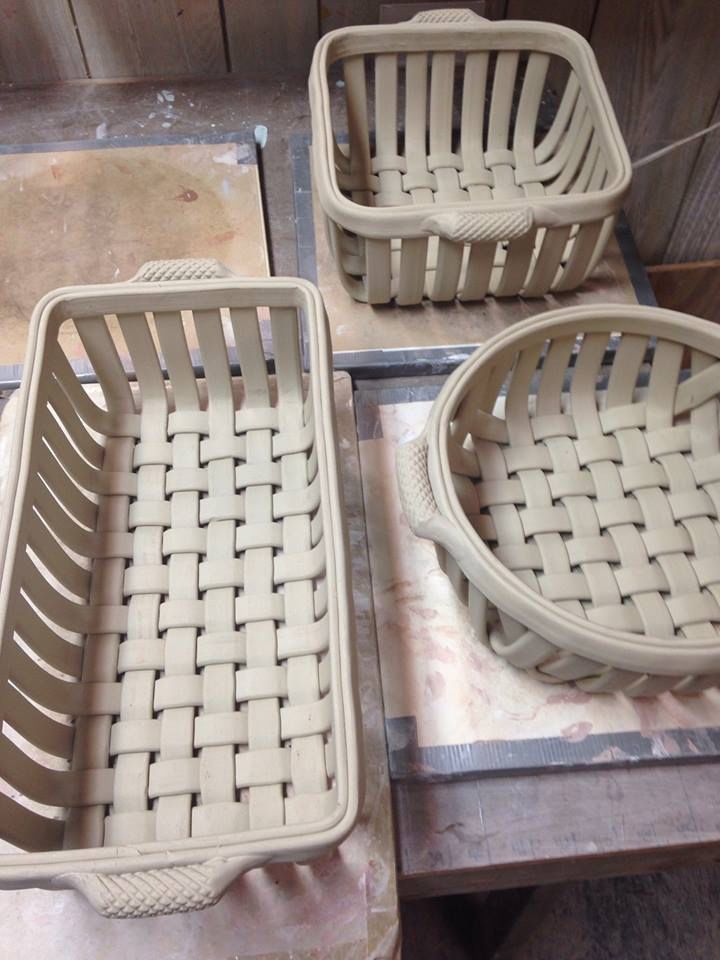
(400, 12)
(659, 61)
(517, 831)
(38, 41)
(689, 287)
(143, 38)
(264, 34)
(696, 231)
(345, 13)
(576, 14)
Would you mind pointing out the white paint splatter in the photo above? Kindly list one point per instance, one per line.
(244, 151)
(228, 157)
(169, 95)
(166, 124)
(101, 131)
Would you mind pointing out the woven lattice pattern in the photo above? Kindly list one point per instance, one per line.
(177, 532)
(500, 163)
(168, 270)
(604, 502)
(440, 114)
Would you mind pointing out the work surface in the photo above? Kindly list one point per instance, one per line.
(478, 832)
(498, 780)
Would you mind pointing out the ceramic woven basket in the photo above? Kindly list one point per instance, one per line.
(465, 176)
(176, 686)
(575, 506)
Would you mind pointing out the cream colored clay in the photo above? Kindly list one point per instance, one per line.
(176, 591)
(503, 207)
(575, 508)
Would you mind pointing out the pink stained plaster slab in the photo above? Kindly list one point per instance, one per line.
(436, 671)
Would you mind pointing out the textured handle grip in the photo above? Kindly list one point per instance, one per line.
(416, 494)
(469, 227)
(191, 269)
(447, 16)
(155, 893)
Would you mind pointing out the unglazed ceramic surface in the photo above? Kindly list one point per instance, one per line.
(342, 906)
(521, 205)
(573, 494)
(456, 689)
(176, 583)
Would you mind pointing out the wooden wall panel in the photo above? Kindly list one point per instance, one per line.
(38, 41)
(402, 11)
(576, 14)
(142, 38)
(689, 287)
(264, 34)
(345, 13)
(659, 60)
(696, 231)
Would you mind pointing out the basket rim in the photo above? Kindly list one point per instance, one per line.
(620, 649)
(407, 221)
(46, 868)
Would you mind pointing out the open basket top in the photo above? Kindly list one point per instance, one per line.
(464, 96)
(160, 527)
(625, 397)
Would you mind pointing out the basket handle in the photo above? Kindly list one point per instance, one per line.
(155, 893)
(465, 226)
(416, 496)
(188, 269)
(462, 15)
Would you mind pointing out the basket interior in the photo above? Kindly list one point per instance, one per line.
(443, 126)
(168, 645)
(590, 466)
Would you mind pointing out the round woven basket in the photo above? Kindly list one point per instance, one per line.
(569, 474)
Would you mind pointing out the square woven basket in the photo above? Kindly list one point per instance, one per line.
(464, 175)
(569, 474)
(176, 680)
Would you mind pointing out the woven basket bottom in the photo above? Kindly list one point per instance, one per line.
(617, 525)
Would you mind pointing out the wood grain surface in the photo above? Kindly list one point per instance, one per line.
(38, 41)
(94, 216)
(695, 233)
(523, 830)
(689, 287)
(576, 14)
(144, 38)
(262, 34)
(659, 62)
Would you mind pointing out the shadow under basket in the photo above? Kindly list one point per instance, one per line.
(569, 474)
(176, 682)
(481, 158)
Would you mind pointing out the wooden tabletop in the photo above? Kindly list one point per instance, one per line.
(496, 832)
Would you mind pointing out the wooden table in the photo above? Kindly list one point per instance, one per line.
(521, 830)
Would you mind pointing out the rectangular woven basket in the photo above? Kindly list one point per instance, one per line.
(464, 175)
(176, 689)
